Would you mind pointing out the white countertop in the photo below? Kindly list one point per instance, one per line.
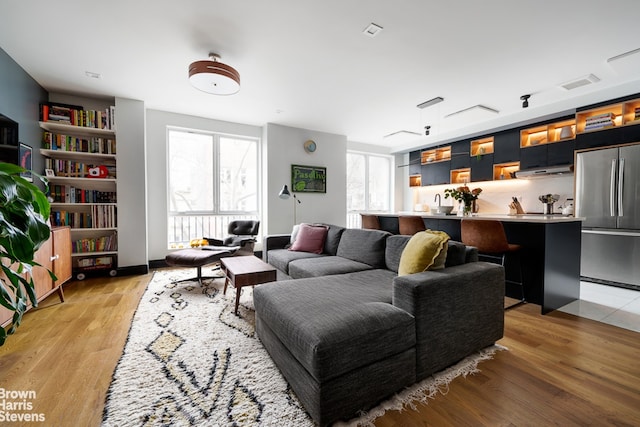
(537, 218)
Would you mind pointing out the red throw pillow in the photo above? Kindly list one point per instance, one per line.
(310, 238)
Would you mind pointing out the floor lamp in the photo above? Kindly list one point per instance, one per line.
(285, 194)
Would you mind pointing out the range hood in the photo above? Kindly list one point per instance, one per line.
(545, 172)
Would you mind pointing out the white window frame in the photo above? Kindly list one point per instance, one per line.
(210, 223)
(353, 216)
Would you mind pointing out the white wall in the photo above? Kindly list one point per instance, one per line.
(132, 183)
(157, 123)
(284, 147)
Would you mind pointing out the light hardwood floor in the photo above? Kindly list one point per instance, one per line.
(559, 369)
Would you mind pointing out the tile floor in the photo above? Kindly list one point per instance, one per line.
(608, 304)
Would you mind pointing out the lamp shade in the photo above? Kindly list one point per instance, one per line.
(214, 77)
(284, 193)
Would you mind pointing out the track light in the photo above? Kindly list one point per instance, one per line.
(525, 100)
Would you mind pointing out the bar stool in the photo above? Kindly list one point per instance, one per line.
(370, 221)
(410, 224)
(490, 239)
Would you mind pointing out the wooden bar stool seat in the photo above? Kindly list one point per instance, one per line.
(371, 222)
(410, 224)
(491, 240)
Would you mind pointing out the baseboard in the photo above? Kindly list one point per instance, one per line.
(133, 270)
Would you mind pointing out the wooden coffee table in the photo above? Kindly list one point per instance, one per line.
(245, 271)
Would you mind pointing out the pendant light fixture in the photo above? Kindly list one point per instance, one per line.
(214, 77)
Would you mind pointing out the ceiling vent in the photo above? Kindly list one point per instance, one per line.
(475, 113)
(579, 82)
(372, 30)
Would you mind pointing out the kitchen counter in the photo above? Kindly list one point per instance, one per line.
(533, 218)
(549, 254)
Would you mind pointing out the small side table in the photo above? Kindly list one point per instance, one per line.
(245, 271)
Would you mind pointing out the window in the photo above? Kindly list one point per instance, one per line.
(212, 180)
(368, 185)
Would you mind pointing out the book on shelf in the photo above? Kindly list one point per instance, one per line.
(76, 115)
(95, 244)
(70, 194)
(94, 145)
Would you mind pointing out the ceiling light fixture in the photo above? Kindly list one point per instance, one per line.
(426, 130)
(525, 100)
(214, 77)
(430, 102)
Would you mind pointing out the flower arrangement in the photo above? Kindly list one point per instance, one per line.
(465, 195)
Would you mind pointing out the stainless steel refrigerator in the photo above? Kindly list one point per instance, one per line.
(608, 196)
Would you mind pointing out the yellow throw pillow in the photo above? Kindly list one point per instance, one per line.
(426, 250)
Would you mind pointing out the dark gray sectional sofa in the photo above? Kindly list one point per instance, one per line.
(346, 331)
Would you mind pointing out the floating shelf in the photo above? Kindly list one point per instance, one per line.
(504, 171)
(481, 147)
(461, 176)
(436, 155)
(546, 134)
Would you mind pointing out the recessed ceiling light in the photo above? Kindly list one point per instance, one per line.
(372, 30)
(92, 75)
(431, 102)
(476, 112)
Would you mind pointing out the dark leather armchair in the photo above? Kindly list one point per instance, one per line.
(241, 239)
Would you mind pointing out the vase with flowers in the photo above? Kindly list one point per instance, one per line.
(464, 195)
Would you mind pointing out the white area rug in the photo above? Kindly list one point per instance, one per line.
(190, 361)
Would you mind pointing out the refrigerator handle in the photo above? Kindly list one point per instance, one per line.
(620, 183)
(612, 191)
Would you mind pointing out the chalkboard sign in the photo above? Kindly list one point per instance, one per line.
(308, 179)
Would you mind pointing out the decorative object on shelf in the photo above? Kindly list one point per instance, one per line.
(214, 77)
(308, 179)
(24, 210)
(566, 132)
(310, 146)
(525, 100)
(285, 194)
(98, 172)
(548, 200)
(466, 196)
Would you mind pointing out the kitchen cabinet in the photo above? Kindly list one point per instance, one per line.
(482, 168)
(436, 173)
(506, 146)
(414, 163)
(561, 153)
(460, 158)
(533, 157)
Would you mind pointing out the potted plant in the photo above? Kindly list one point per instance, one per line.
(24, 212)
(464, 195)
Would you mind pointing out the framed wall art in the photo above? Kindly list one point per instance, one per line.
(25, 161)
(308, 179)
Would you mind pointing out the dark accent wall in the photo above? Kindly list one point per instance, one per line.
(20, 97)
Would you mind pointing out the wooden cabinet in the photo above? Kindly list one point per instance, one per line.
(54, 255)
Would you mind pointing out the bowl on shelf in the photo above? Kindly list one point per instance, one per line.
(441, 210)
